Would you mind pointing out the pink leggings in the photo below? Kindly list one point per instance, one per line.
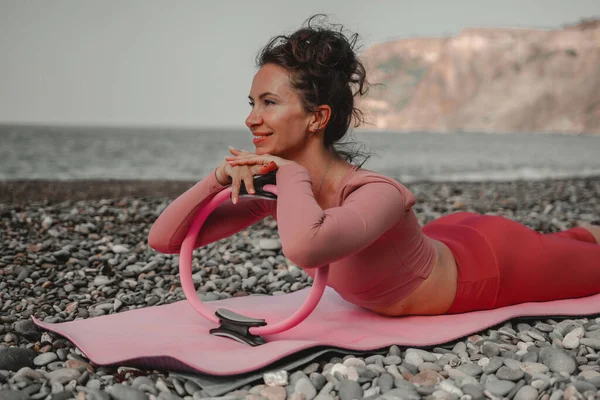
(502, 262)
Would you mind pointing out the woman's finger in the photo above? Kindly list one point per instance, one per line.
(265, 169)
(237, 152)
(248, 180)
(235, 187)
(258, 170)
(261, 157)
(243, 156)
(245, 162)
(272, 166)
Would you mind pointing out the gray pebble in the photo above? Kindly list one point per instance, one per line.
(475, 391)
(394, 351)
(168, 396)
(26, 373)
(25, 326)
(93, 384)
(402, 393)
(64, 395)
(557, 360)
(536, 335)
(593, 343)
(317, 380)
(63, 375)
(530, 356)
(490, 349)
(425, 355)
(141, 380)
(375, 359)
(509, 374)
(350, 390)
(305, 387)
(62, 354)
(45, 358)
(583, 386)
(92, 394)
(526, 393)
(470, 369)
(15, 358)
(499, 387)
(385, 382)
(314, 367)
(324, 397)
(122, 392)
(392, 360)
(429, 366)
(162, 385)
(512, 363)
(31, 389)
(542, 327)
(13, 395)
(493, 365)
(148, 389)
(459, 347)
(594, 381)
(54, 365)
(269, 244)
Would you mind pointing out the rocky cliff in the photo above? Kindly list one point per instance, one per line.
(488, 80)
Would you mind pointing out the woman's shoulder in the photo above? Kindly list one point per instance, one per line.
(362, 178)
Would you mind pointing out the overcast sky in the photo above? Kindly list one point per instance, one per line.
(191, 63)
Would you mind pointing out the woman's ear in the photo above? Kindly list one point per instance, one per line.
(320, 118)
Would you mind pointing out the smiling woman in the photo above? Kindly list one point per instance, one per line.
(362, 223)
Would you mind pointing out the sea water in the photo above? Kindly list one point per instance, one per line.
(59, 153)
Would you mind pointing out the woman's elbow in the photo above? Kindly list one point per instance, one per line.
(303, 257)
(158, 242)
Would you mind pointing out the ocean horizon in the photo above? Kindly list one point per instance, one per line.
(31, 152)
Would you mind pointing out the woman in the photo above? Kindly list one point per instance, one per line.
(330, 211)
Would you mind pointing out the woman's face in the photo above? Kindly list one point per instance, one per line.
(278, 121)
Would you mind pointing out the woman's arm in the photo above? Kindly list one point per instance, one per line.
(169, 230)
(312, 237)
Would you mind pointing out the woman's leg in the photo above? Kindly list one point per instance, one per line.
(581, 234)
(453, 219)
(538, 267)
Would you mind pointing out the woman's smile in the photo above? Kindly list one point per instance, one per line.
(260, 137)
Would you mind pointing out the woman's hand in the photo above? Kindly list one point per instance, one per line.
(269, 162)
(235, 174)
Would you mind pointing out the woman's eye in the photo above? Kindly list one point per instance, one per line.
(268, 102)
(251, 104)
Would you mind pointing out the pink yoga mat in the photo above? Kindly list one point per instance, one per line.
(174, 336)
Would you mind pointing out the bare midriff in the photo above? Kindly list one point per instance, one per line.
(436, 294)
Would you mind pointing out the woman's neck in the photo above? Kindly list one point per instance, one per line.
(323, 166)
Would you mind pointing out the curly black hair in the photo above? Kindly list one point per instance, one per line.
(324, 69)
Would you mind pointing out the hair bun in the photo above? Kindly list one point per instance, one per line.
(324, 48)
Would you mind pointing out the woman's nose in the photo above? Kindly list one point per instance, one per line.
(253, 119)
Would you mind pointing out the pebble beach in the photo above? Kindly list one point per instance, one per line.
(71, 250)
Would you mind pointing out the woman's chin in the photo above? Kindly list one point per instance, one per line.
(264, 150)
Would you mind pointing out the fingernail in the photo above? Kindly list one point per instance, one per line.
(234, 200)
(252, 191)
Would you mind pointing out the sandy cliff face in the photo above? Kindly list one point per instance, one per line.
(488, 80)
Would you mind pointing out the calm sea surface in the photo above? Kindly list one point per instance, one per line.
(148, 154)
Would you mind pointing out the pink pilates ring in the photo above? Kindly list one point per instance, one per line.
(236, 326)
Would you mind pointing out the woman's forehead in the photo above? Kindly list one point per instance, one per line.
(271, 79)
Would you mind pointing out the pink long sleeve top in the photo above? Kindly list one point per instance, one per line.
(371, 238)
